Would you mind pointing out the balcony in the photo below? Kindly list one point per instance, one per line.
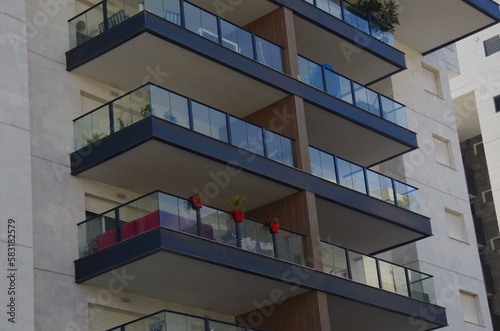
(152, 100)
(419, 21)
(159, 209)
(168, 246)
(361, 20)
(189, 64)
(169, 320)
(106, 15)
(138, 141)
(325, 78)
(357, 178)
(422, 22)
(341, 262)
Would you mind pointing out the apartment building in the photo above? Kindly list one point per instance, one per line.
(127, 125)
(476, 98)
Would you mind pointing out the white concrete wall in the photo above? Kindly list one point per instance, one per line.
(454, 264)
(58, 198)
(15, 173)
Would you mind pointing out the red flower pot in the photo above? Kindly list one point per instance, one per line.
(274, 227)
(238, 215)
(196, 202)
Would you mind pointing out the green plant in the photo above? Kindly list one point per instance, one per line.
(385, 11)
(146, 110)
(273, 220)
(95, 137)
(237, 202)
(121, 123)
(169, 116)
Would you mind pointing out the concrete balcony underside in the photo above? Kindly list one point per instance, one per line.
(209, 73)
(155, 154)
(427, 24)
(162, 263)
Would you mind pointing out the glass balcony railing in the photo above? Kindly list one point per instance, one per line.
(358, 18)
(371, 271)
(363, 180)
(324, 77)
(166, 320)
(151, 100)
(108, 14)
(159, 209)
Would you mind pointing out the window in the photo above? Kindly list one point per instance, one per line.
(487, 196)
(456, 229)
(442, 151)
(478, 148)
(470, 307)
(495, 243)
(431, 80)
(90, 102)
(497, 103)
(104, 318)
(492, 46)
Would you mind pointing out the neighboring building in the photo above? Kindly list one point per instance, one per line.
(104, 139)
(476, 97)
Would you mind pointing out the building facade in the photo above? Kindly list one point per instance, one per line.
(124, 142)
(475, 95)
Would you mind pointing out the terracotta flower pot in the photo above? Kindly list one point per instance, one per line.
(238, 215)
(274, 227)
(196, 202)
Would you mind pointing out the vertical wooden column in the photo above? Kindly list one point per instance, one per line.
(279, 28)
(308, 311)
(288, 115)
(296, 212)
(288, 118)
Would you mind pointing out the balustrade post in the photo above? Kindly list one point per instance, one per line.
(275, 245)
(111, 119)
(105, 14)
(117, 227)
(379, 275)
(410, 294)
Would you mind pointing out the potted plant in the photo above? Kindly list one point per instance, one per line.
(274, 225)
(239, 210)
(95, 137)
(146, 110)
(196, 201)
(385, 12)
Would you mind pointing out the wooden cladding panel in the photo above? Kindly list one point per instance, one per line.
(297, 213)
(292, 212)
(287, 117)
(307, 311)
(278, 27)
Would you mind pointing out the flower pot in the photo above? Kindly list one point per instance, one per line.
(196, 202)
(238, 215)
(274, 227)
